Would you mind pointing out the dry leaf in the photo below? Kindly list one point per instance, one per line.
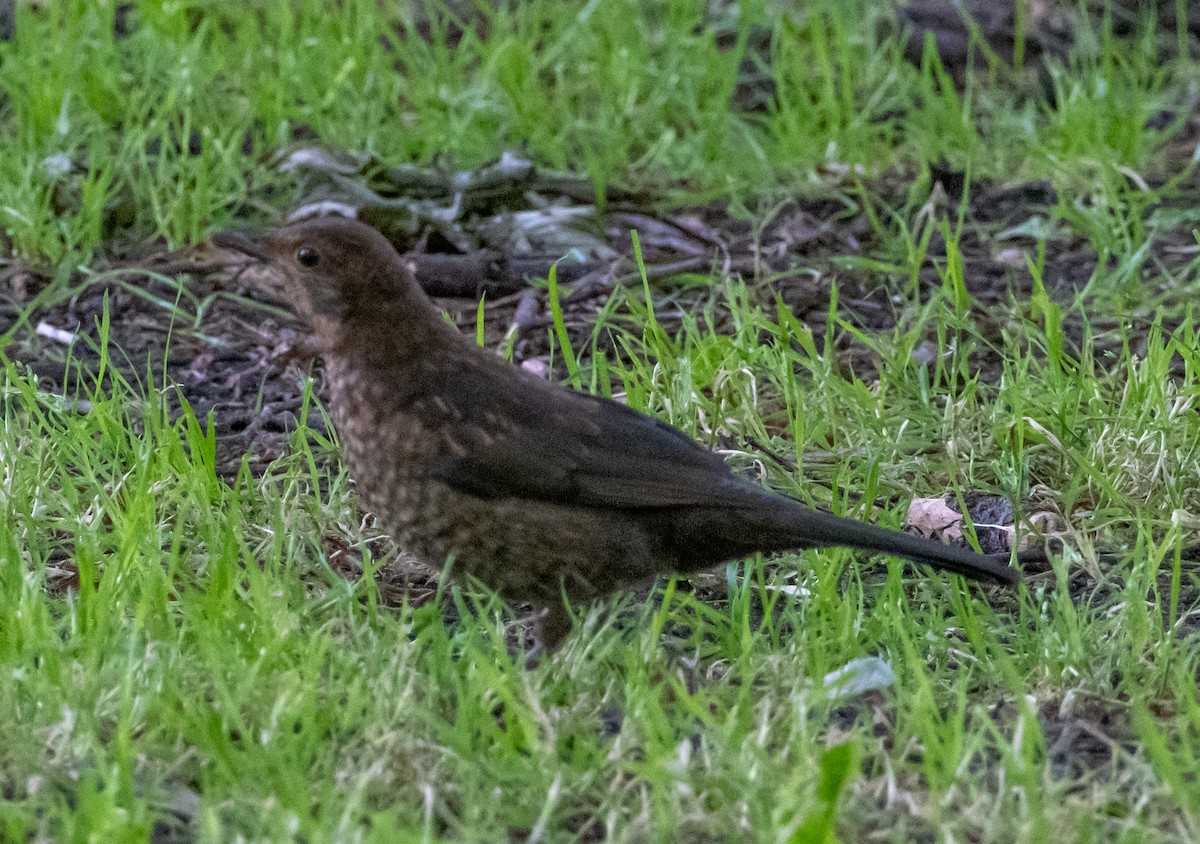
(931, 517)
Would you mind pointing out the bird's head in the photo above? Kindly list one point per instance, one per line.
(340, 275)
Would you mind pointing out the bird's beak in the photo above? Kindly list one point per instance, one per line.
(249, 243)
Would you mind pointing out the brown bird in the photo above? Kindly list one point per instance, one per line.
(544, 494)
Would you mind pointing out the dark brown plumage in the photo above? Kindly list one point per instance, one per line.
(538, 491)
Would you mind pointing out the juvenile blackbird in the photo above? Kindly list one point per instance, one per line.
(544, 494)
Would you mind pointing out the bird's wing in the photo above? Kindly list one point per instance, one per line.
(541, 442)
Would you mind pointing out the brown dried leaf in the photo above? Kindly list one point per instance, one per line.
(931, 517)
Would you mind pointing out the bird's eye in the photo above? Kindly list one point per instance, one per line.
(308, 257)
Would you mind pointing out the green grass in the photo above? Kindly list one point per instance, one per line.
(171, 128)
(210, 650)
(211, 676)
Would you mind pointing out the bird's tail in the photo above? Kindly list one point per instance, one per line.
(776, 523)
